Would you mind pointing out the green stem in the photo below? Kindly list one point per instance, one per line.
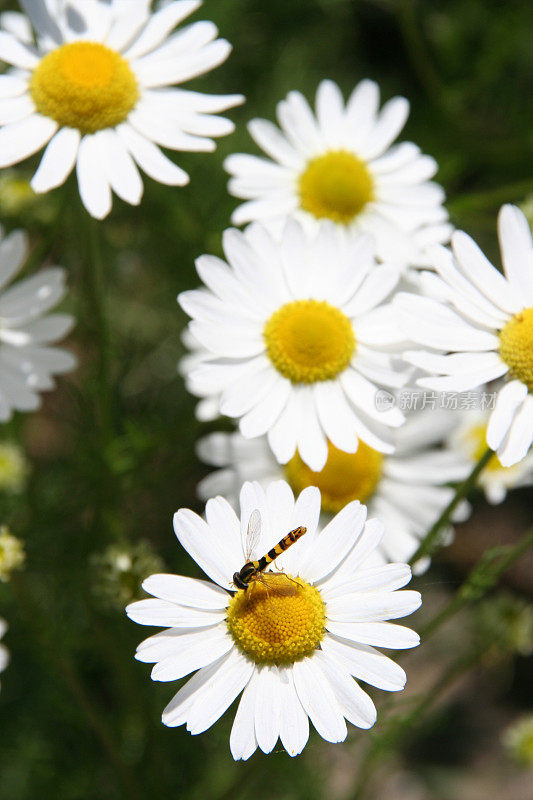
(429, 542)
(482, 578)
(99, 326)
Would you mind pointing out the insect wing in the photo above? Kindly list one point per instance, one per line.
(253, 534)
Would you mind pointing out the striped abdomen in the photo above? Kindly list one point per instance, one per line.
(276, 551)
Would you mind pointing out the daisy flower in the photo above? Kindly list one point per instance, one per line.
(470, 437)
(489, 335)
(95, 91)
(406, 490)
(292, 642)
(27, 361)
(340, 164)
(4, 653)
(298, 339)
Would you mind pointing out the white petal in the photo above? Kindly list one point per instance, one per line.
(205, 546)
(95, 191)
(520, 437)
(373, 606)
(13, 250)
(186, 591)
(334, 542)
(242, 740)
(366, 664)
(217, 696)
(160, 24)
(484, 275)
(385, 578)
(15, 52)
(14, 109)
(119, 167)
(22, 139)
(267, 708)
(354, 703)
(58, 160)
(391, 120)
(509, 399)
(168, 615)
(318, 700)
(379, 634)
(294, 723)
(150, 158)
(193, 655)
(517, 251)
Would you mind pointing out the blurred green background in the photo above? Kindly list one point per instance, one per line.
(80, 718)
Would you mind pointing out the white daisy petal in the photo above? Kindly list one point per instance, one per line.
(19, 140)
(165, 614)
(202, 544)
(354, 703)
(391, 120)
(517, 251)
(95, 191)
(186, 591)
(335, 541)
(200, 652)
(160, 25)
(378, 634)
(373, 606)
(242, 740)
(509, 400)
(267, 708)
(318, 700)
(520, 437)
(58, 160)
(294, 722)
(120, 168)
(366, 664)
(15, 52)
(483, 275)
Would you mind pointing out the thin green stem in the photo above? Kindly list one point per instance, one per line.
(429, 542)
(100, 328)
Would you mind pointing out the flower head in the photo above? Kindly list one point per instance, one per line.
(488, 334)
(407, 489)
(298, 338)
(28, 362)
(292, 641)
(96, 91)
(14, 468)
(341, 164)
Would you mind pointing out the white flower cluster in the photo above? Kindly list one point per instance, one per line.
(340, 292)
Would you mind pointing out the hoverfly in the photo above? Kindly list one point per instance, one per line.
(252, 570)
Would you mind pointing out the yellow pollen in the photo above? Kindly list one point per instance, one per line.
(309, 341)
(277, 620)
(516, 346)
(345, 477)
(335, 186)
(84, 85)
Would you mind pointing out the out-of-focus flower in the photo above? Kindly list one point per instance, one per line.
(291, 641)
(518, 740)
(12, 555)
(95, 90)
(342, 165)
(27, 360)
(489, 335)
(4, 652)
(299, 338)
(470, 438)
(407, 490)
(14, 468)
(119, 570)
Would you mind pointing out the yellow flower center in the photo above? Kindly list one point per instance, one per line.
(345, 477)
(335, 186)
(84, 85)
(277, 620)
(516, 346)
(309, 340)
